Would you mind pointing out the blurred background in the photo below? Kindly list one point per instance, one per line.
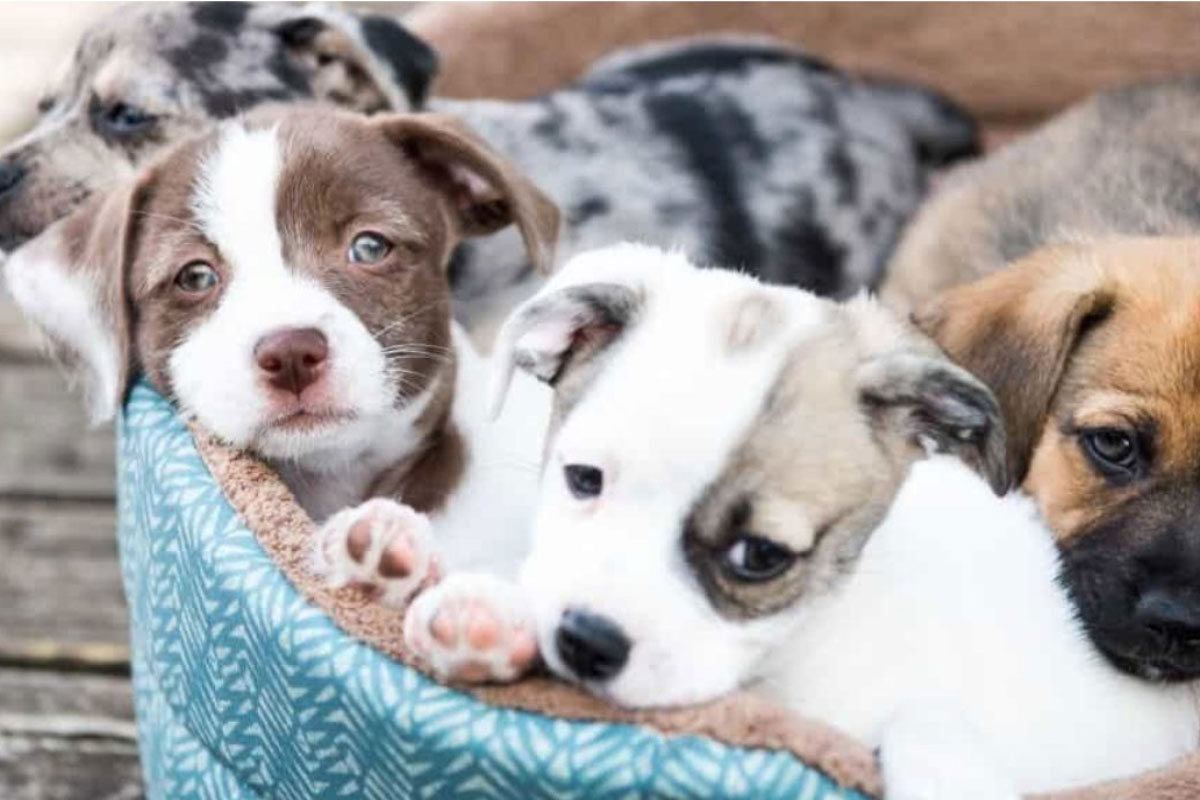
(66, 727)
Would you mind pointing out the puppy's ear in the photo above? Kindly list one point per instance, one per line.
(1016, 329)
(70, 281)
(561, 330)
(940, 407)
(485, 191)
(368, 63)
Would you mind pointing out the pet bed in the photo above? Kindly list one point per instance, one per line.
(252, 680)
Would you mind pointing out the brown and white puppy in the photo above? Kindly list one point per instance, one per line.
(283, 281)
(1094, 352)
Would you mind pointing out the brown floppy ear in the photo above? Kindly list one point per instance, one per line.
(1016, 330)
(71, 282)
(486, 192)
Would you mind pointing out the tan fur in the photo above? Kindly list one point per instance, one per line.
(820, 489)
(1140, 359)
(1120, 163)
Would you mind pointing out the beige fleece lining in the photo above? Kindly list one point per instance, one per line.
(743, 720)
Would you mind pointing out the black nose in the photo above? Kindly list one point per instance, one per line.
(1168, 613)
(11, 175)
(592, 646)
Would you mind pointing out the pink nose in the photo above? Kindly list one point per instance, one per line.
(292, 359)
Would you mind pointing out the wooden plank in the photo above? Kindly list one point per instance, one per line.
(31, 694)
(67, 736)
(61, 600)
(58, 767)
(49, 447)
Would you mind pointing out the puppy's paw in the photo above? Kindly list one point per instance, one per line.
(931, 753)
(380, 544)
(473, 628)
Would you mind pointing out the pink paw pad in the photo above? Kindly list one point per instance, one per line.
(473, 629)
(381, 545)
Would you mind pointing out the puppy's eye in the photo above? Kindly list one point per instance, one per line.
(583, 481)
(369, 248)
(1113, 451)
(754, 559)
(197, 277)
(45, 104)
(124, 119)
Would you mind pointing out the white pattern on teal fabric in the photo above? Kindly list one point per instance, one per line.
(244, 690)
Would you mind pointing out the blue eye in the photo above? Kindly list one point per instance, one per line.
(124, 119)
(369, 248)
(197, 277)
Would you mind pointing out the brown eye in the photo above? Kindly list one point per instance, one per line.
(197, 277)
(753, 559)
(368, 248)
(1113, 451)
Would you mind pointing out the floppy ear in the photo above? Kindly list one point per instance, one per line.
(561, 330)
(1016, 330)
(485, 191)
(70, 281)
(938, 406)
(368, 63)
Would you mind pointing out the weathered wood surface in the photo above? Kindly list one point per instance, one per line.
(60, 596)
(66, 713)
(66, 736)
(47, 446)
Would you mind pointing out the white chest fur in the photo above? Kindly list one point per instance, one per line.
(485, 523)
(955, 602)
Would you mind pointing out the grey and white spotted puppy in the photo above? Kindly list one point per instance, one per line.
(741, 152)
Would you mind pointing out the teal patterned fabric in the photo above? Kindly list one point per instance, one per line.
(244, 690)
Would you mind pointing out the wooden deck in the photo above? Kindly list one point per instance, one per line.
(66, 715)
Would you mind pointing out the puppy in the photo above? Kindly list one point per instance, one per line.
(1087, 344)
(745, 152)
(283, 281)
(729, 499)
(1123, 162)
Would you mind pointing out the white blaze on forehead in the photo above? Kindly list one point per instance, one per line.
(213, 369)
(235, 198)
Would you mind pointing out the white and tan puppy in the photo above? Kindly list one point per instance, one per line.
(283, 280)
(730, 500)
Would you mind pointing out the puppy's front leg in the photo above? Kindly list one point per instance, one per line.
(381, 544)
(931, 752)
(473, 628)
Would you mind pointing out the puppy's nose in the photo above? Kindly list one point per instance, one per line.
(11, 175)
(1168, 613)
(292, 359)
(592, 646)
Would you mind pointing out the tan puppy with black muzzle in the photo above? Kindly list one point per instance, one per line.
(1092, 344)
(1094, 353)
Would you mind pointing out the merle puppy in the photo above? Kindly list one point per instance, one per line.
(741, 152)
